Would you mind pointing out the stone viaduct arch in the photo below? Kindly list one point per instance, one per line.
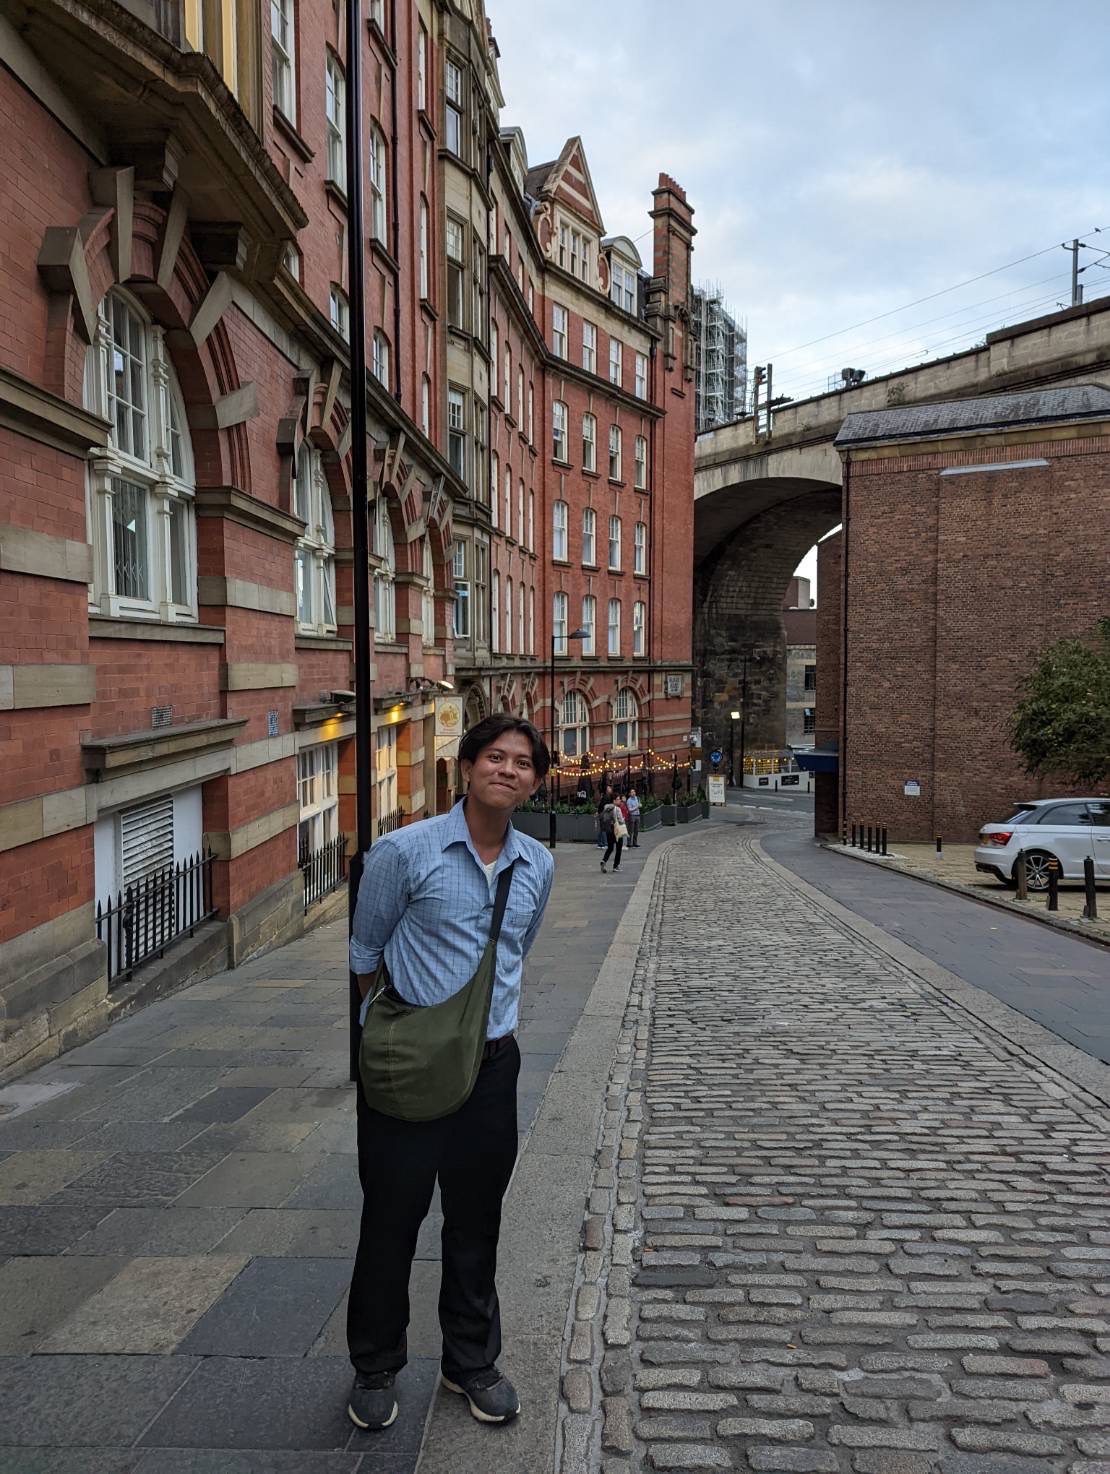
(761, 502)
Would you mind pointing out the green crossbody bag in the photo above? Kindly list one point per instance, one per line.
(418, 1064)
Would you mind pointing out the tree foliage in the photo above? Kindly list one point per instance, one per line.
(1061, 725)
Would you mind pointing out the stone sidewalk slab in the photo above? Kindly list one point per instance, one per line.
(187, 1185)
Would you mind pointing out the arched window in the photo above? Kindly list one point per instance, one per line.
(142, 488)
(385, 603)
(508, 645)
(575, 725)
(626, 720)
(314, 558)
(428, 595)
(495, 612)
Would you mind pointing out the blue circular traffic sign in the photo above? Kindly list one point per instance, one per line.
(715, 757)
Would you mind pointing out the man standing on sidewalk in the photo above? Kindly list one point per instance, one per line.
(426, 903)
(633, 805)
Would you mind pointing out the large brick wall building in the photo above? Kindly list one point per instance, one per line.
(175, 497)
(975, 535)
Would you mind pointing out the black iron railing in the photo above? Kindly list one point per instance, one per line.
(389, 822)
(323, 869)
(149, 916)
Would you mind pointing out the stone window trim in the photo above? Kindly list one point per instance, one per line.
(141, 486)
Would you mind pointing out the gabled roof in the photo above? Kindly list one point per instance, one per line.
(990, 412)
(567, 182)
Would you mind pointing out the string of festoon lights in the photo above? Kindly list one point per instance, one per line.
(596, 764)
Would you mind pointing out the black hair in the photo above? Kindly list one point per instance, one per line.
(486, 732)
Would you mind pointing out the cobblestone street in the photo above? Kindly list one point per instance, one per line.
(846, 1223)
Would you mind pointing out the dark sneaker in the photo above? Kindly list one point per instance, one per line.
(491, 1396)
(603, 869)
(372, 1403)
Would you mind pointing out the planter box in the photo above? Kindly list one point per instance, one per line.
(651, 820)
(577, 828)
(570, 828)
(682, 813)
(668, 813)
(536, 825)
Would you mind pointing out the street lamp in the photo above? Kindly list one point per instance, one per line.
(578, 634)
(735, 715)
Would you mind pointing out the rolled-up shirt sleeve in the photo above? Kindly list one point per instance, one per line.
(537, 917)
(382, 897)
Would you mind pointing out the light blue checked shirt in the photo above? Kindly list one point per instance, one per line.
(425, 902)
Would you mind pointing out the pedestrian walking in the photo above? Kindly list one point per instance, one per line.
(447, 910)
(632, 803)
(615, 830)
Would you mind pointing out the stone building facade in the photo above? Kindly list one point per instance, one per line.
(175, 497)
(975, 536)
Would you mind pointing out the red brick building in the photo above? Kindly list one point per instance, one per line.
(175, 497)
(975, 534)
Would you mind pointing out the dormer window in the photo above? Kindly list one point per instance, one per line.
(623, 288)
(574, 252)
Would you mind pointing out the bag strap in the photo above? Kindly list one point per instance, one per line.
(504, 881)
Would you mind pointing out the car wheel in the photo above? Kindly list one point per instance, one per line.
(1036, 869)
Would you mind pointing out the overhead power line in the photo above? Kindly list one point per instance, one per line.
(929, 297)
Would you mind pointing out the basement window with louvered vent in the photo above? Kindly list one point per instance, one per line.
(146, 840)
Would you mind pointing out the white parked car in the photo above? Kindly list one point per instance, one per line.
(1069, 830)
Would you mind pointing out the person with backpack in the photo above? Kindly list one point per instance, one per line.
(615, 830)
(447, 910)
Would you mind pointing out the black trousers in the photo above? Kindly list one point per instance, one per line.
(472, 1152)
(613, 843)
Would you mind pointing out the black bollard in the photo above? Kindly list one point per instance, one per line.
(869, 839)
(1054, 885)
(883, 833)
(940, 845)
(1021, 876)
(1090, 910)
(854, 845)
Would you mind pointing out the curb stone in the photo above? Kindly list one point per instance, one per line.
(598, 1436)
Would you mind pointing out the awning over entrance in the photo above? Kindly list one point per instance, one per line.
(819, 760)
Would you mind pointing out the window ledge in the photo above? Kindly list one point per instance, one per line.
(379, 249)
(563, 465)
(561, 562)
(642, 577)
(322, 642)
(613, 481)
(105, 627)
(428, 310)
(380, 37)
(289, 132)
(335, 191)
(592, 567)
(134, 749)
(389, 647)
(593, 475)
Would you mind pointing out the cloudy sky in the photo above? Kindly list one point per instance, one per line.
(844, 159)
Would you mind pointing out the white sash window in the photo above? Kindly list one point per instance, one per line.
(141, 488)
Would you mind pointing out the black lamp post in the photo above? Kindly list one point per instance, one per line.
(578, 634)
(360, 531)
(735, 717)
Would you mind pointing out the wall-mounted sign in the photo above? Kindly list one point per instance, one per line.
(449, 717)
(912, 788)
(672, 685)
